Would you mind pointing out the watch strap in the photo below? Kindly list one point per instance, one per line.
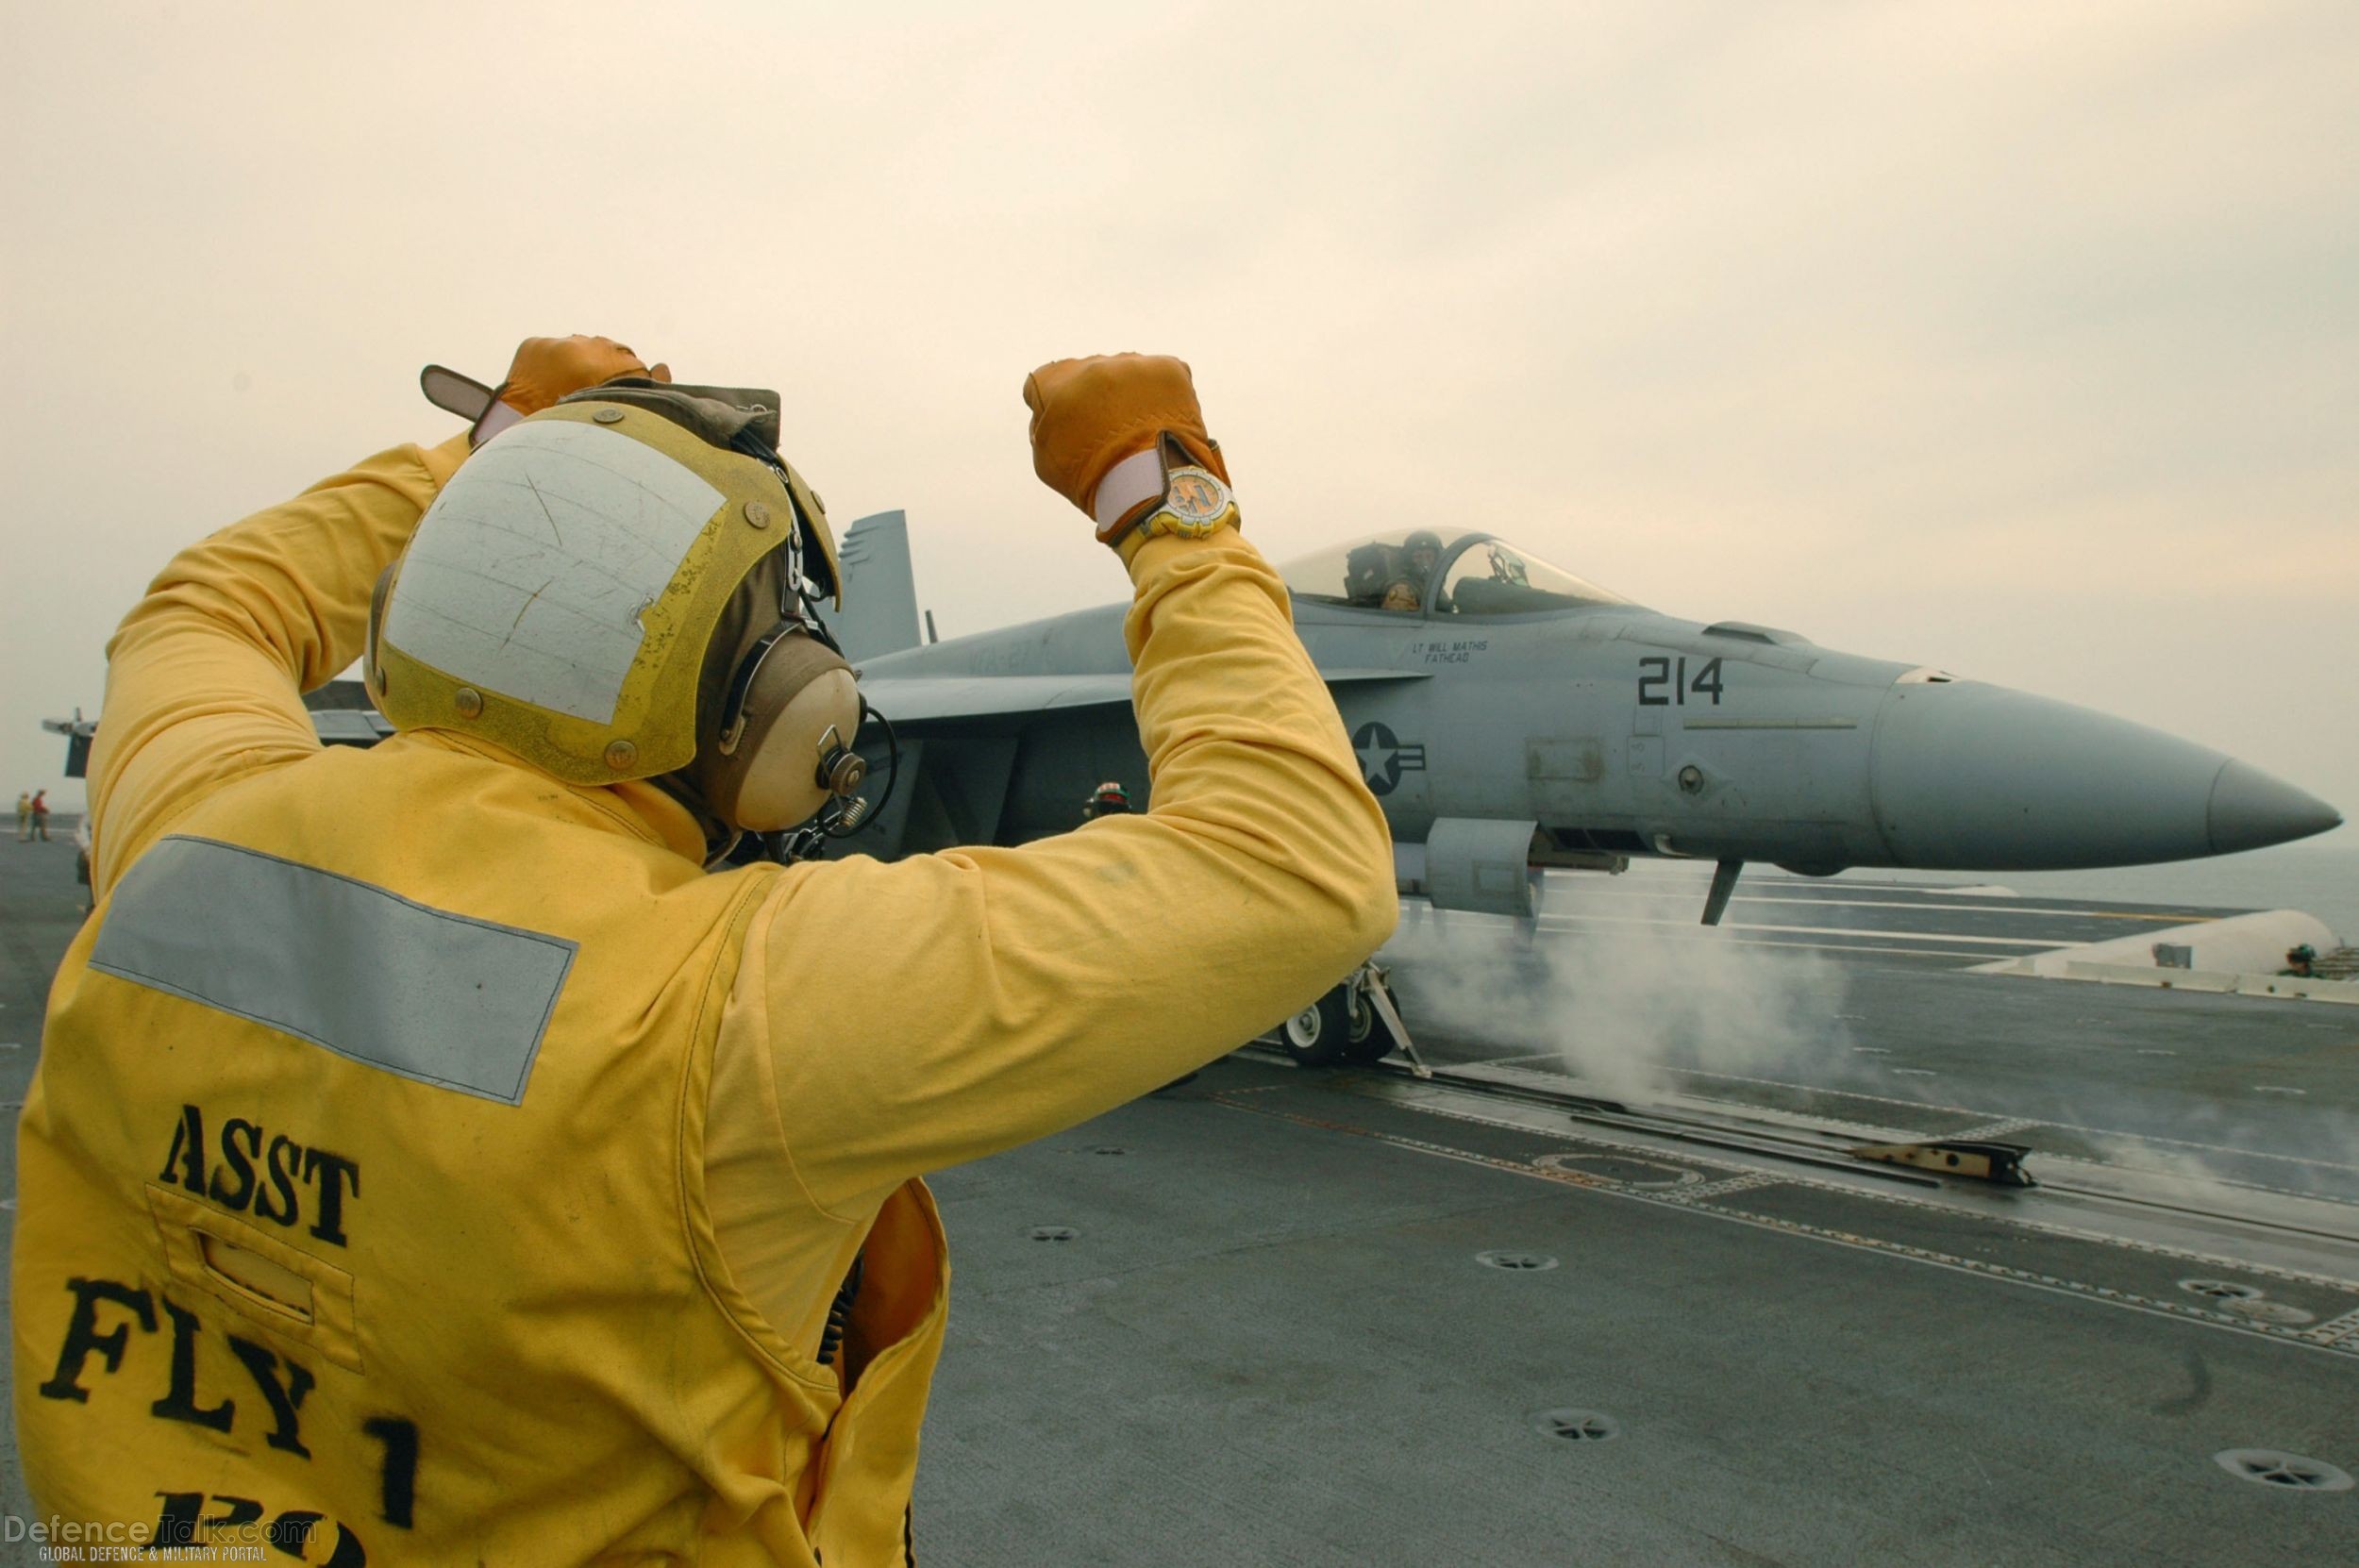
(1164, 488)
(1127, 486)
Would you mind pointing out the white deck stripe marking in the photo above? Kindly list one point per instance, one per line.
(2000, 1129)
(1967, 1111)
(1652, 886)
(1683, 1199)
(1993, 907)
(1827, 1120)
(1847, 946)
(1818, 930)
(1858, 947)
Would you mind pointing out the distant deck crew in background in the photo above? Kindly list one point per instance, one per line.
(82, 841)
(1109, 799)
(430, 1161)
(40, 815)
(24, 815)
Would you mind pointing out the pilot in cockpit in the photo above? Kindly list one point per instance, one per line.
(1424, 551)
(1367, 573)
(1421, 573)
(1394, 577)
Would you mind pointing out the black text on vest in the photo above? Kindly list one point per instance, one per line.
(268, 1180)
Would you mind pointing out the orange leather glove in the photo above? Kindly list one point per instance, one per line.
(546, 369)
(1090, 414)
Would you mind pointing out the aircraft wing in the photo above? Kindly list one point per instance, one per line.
(914, 702)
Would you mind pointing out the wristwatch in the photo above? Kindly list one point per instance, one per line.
(1188, 500)
(1196, 502)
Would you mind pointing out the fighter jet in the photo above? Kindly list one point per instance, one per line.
(1511, 717)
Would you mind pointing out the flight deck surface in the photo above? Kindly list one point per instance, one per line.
(1608, 1287)
(1279, 1331)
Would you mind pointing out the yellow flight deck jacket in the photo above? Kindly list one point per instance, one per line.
(429, 1162)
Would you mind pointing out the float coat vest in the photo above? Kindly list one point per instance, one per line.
(400, 1250)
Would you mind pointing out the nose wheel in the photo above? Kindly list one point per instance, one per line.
(1356, 1023)
(1320, 1034)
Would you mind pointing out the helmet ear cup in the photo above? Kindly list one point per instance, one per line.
(791, 749)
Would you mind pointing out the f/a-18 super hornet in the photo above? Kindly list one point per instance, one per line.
(1511, 717)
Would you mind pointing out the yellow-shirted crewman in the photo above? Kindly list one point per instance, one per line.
(431, 1162)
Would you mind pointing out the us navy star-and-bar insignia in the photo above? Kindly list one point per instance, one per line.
(1383, 758)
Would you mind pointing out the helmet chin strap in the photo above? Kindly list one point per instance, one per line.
(721, 840)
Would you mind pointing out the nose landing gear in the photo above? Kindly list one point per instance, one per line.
(1353, 1025)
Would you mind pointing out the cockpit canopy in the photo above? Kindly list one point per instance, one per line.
(1415, 571)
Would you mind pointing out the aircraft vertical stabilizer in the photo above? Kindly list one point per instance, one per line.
(879, 613)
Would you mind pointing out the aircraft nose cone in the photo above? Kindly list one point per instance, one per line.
(2250, 811)
(1967, 777)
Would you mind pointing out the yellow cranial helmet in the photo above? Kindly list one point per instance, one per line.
(562, 596)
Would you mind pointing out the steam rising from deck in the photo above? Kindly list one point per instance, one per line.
(1623, 1009)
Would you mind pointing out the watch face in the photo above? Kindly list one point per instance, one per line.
(1196, 498)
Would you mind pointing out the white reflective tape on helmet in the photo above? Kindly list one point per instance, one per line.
(528, 574)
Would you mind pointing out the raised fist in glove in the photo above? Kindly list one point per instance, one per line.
(1121, 437)
(546, 369)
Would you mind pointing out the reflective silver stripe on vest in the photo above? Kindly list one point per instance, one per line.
(371, 975)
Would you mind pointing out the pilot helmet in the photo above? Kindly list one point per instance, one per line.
(1366, 570)
(1423, 538)
(1109, 798)
(624, 586)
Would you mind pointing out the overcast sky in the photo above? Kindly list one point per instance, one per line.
(2018, 339)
